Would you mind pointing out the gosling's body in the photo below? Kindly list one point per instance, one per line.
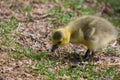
(94, 32)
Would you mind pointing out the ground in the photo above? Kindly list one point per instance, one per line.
(25, 29)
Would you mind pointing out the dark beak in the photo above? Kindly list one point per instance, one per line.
(54, 47)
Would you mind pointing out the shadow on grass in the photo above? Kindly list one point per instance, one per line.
(67, 58)
(73, 58)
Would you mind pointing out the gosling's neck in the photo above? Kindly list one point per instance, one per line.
(76, 35)
(67, 33)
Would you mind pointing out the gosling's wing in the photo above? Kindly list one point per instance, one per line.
(88, 32)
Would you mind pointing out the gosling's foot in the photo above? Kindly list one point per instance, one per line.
(88, 55)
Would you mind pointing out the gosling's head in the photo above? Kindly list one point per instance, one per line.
(60, 38)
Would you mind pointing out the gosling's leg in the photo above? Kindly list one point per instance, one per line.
(93, 53)
(92, 56)
(87, 55)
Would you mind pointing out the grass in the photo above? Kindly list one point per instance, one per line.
(26, 8)
(6, 36)
(60, 17)
(53, 70)
(87, 71)
(63, 17)
(7, 27)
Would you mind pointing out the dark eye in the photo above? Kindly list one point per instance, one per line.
(59, 42)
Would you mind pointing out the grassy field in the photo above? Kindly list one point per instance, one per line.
(25, 29)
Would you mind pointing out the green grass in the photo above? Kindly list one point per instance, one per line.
(30, 53)
(26, 8)
(63, 18)
(7, 27)
(86, 71)
(45, 1)
(60, 16)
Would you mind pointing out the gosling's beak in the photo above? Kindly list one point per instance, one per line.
(54, 47)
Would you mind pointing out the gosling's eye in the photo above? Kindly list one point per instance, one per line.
(59, 42)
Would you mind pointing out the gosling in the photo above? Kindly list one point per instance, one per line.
(92, 31)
